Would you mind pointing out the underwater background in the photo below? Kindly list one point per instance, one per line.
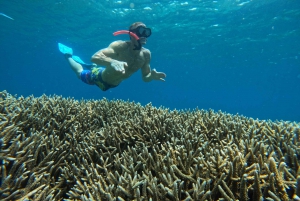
(236, 56)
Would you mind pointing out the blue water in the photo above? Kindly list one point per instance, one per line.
(235, 56)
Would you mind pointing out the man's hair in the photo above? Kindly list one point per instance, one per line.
(135, 25)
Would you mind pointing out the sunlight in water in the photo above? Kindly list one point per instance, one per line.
(6, 16)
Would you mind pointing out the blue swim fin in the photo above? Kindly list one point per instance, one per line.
(67, 50)
(64, 49)
(78, 60)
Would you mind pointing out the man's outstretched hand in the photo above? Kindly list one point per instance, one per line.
(158, 75)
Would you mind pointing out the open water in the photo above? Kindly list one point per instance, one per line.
(236, 56)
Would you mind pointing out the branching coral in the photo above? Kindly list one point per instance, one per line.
(54, 148)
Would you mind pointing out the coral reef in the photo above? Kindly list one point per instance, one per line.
(54, 148)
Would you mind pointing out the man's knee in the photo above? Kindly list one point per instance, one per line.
(78, 73)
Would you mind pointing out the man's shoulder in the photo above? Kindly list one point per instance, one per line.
(146, 52)
(120, 44)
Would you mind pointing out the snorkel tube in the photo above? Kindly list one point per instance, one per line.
(131, 34)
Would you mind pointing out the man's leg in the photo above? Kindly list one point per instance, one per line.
(76, 67)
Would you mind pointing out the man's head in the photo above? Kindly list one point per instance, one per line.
(141, 31)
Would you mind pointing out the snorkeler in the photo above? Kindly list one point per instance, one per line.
(120, 60)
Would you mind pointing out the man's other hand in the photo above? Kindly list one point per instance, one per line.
(158, 75)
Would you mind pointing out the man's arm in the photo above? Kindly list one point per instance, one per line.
(148, 74)
(105, 56)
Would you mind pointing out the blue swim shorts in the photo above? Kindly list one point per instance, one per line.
(94, 77)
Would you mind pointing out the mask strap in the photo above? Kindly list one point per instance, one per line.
(139, 46)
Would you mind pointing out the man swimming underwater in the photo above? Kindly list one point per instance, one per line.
(121, 59)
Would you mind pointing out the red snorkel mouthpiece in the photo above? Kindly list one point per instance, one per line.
(126, 32)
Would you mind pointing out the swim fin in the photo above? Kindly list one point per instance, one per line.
(64, 49)
(78, 60)
(67, 50)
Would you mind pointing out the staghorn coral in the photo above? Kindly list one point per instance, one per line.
(54, 148)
